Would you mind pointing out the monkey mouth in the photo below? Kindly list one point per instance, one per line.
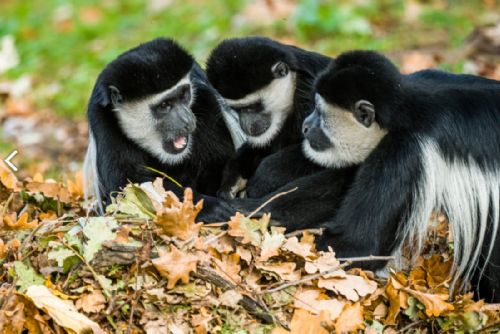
(176, 145)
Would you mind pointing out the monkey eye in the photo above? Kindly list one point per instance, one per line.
(165, 105)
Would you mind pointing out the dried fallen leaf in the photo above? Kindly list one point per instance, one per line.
(314, 301)
(75, 187)
(21, 223)
(250, 230)
(435, 304)
(284, 270)
(63, 312)
(304, 248)
(50, 189)
(230, 267)
(8, 178)
(351, 286)
(175, 265)
(350, 320)
(178, 218)
(271, 243)
(325, 262)
(91, 303)
(303, 322)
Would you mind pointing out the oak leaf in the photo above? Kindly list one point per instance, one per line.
(178, 218)
(325, 262)
(304, 322)
(175, 265)
(249, 229)
(351, 286)
(314, 301)
(435, 304)
(8, 178)
(350, 320)
(284, 270)
(304, 248)
(20, 223)
(271, 243)
(50, 189)
(91, 303)
(230, 267)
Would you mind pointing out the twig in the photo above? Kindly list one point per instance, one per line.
(251, 306)
(315, 231)
(348, 262)
(367, 258)
(410, 326)
(270, 200)
(307, 278)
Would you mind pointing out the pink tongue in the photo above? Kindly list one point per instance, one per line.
(180, 142)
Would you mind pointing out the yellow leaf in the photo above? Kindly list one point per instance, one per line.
(350, 320)
(303, 322)
(285, 270)
(250, 230)
(21, 223)
(303, 248)
(230, 267)
(178, 218)
(76, 187)
(351, 286)
(50, 189)
(314, 301)
(8, 178)
(175, 265)
(435, 304)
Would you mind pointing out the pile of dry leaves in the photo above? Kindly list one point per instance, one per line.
(147, 266)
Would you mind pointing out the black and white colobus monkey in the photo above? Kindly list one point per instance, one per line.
(269, 86)
(153, 107)
(423, 143)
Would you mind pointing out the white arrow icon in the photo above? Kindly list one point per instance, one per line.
(9, 163)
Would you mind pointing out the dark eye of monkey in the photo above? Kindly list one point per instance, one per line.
(165, 105)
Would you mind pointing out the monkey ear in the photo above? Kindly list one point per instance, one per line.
(364, 112)
(116, 97)
(280, 69)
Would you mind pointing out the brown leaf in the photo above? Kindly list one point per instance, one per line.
(435, 304)
(91, 303)
(8, 178)
(175, 265)
(303, 248)
(350, 320)
(75, 187)
(303, 322)
(249, 229)
(230, 267)
(21, 223)
(53, 190)
(325, 262)
(351, 286)
(314, 301)
(284, 270)
(178, 218)
(271, 243)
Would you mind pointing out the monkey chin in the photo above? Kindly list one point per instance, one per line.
(176, 145)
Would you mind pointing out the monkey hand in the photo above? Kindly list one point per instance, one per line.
(215, 210)
(230, 190)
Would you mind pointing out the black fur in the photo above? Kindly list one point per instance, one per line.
(145, 70)
(241, 66)
(460, 113)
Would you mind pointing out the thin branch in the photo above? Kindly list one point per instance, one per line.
(270, 200)
(349, 261)
(315, 231)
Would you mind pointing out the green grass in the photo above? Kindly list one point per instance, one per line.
(62, 49)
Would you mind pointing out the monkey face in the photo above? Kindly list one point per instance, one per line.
(338, 137)
(162, 123)
(263, 112)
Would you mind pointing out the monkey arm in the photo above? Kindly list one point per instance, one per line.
(242, 166)
(315, 200)
(380, 197)
(278, 169)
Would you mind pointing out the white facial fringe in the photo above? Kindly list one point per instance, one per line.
(468, 195)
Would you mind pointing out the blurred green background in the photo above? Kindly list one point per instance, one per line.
(64, 44)
(58, 47)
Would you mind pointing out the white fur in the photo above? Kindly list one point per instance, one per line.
(352, 141)
(138, 123)
(277, 98)
(465, 193)
(232, 123)
(91, 184)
